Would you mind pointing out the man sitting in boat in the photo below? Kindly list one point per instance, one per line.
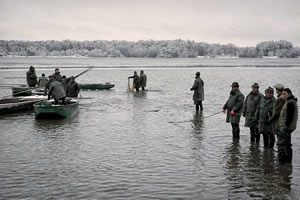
(55, 89)
(72, 88)
(31, 77)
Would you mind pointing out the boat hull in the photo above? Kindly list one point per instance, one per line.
(13, 105)
(48, 109)
(96, 86)
(22, 90)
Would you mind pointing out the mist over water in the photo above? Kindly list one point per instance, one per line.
(149, 145)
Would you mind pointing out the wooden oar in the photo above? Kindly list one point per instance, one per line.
(90, 68)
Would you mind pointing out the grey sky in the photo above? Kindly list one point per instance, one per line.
(242, 22)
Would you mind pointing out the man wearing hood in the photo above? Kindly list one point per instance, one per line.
(31, 77)
(287, 124)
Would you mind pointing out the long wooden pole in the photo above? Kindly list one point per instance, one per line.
(90, 68)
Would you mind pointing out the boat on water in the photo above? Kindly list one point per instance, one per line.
(17, 104)
(50, 109)
(96, 86)
(22, 90)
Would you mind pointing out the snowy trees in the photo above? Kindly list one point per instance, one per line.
(144, 49)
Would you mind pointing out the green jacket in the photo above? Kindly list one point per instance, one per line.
(136, 80)
(235, 102)
(143, 80)
(198, 88)
(289, 114)
(250, 105)
(56, 90)
(31, 78)
(263, 114)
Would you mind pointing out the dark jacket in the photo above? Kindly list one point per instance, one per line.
(250, 106)
(198, 88)
(42, 82)
(55, 89)
(289, 114)
(263, 114)
(136, 80)
(57, 77)
(72, 89)
(31, 78)
(143, 80)
(235, 102)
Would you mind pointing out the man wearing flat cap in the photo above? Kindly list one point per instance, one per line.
(234, 107)
(198, 89)
(278, 104)
(249, 108)
(263, 114)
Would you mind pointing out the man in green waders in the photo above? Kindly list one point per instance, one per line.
(234, 107)
(287, 124)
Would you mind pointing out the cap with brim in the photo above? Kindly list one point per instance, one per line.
(255, 85)
(235, 84)
(279, 86)
(269, 90)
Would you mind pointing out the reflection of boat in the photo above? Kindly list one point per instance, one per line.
(11, 105)
(49, 109)
(22, 90)
(96, 86)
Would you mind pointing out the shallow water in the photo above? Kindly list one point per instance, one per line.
(150, 145)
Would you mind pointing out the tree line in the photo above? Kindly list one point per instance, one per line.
(145, 49)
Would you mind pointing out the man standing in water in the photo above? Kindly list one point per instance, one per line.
(263, 114)
(250, 105)
(287, 124)
(31, 77)
(279, 102)
(198, 88)
(136, 81)
(234, 107)
(143, 79)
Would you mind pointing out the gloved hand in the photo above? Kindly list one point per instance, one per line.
(191, 89)
(223, 110)
(282, 131)
(232, 112)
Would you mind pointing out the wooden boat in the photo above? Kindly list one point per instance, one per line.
(11, 105)
(22, 90)
(49, 109)
(96, 86)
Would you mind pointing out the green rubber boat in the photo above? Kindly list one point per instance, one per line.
(96, 86)
(49, 109)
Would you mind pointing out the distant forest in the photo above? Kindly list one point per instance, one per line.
(146, 49)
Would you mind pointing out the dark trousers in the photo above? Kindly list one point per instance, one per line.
(137, 89)
(269, 139)
(285, 151)
(143, 88)
(235, 130)
(254, 134)
(199, 104)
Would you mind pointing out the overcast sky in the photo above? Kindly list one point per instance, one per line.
(242, 22)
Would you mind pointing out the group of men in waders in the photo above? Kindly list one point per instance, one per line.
(57, 86)
(139, 81)
(263, 114)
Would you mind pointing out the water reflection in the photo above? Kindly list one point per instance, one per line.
(198, 123)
